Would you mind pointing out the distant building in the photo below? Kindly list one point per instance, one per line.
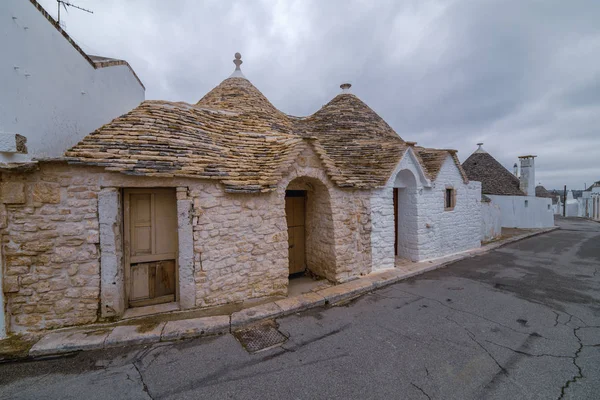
(53, 93)
(589, 202)
(516, 197)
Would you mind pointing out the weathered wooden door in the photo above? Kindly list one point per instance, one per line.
(295, 210)
(150, 246)
(396, 221)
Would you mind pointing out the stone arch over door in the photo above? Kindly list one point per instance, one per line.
(318, 229)
(406, 215)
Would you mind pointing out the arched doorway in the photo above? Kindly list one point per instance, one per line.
(309, 219)
(405, 216)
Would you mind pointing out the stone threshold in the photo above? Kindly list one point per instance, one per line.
(106, 336)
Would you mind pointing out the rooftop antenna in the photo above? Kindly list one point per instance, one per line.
(65, 4)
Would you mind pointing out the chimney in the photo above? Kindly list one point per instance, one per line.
(527, 175)
(516, 170)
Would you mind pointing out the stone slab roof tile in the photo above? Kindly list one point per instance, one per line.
(235, 135)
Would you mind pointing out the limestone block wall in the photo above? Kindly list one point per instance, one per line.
(50, 238)
(233, 247)
(240, 245)
(350, 218)
(319, 231)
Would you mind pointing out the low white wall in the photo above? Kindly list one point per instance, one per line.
(524, 211)
(572, 208)
(491, 221)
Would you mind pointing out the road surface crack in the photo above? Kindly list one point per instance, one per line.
(470, 313)
(472, 336)
(579, 374)
(526, 353)
(145, 387)
(421, 390)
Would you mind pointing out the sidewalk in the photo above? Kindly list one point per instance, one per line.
(161, 328)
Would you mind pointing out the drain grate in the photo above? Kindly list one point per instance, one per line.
(260, 337)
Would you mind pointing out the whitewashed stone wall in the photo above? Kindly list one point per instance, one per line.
(491, 217)
(448, 232)
(429, 230)
(382, 214)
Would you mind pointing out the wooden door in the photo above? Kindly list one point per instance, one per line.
(150, 246)
(395, 221)
(295, 212)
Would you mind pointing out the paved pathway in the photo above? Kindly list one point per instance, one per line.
(521, 322)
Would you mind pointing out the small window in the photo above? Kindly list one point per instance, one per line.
(526, 203)
(450, 200)
(548, 206)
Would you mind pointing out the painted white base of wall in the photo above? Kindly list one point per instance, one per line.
(491, 221)
(525, 212)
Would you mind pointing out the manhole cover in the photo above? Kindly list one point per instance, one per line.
(259, 337)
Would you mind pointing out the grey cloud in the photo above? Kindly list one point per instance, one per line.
(520, 76)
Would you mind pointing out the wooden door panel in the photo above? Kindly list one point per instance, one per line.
(164, 281)
(141, 224)
(165, 209)
(151, 226)
(140, 282)
(296, 249)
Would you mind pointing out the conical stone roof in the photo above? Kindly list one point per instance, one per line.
(494, 178)
(362, 146)
(235, 135)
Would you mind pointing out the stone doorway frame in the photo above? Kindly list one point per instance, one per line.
(113, 302)
(316, 191)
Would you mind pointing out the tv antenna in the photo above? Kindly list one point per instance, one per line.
(65, 4)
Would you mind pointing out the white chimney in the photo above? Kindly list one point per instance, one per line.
(527, 175)
(516, 170)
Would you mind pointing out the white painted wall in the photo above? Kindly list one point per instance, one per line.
(491, 221)
(55, 97)
(441, 232)
(435, 232)
(537, 213)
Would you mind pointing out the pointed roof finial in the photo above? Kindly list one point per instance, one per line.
(480, 149)
(238, 71)
(345, 87)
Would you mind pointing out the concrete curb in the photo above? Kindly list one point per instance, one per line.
(94, 338)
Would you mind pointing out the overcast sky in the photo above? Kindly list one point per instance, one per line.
(521, 76)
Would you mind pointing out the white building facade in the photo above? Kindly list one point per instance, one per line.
(422, 227)
(53, 94)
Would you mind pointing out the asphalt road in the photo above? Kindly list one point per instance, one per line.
(521, 322)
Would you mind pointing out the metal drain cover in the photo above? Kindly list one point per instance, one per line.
(260, 337)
